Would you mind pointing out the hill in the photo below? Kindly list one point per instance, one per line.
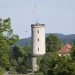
(62, 37)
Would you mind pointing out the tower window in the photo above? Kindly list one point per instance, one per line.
(38, 39)
(38, 31)
(38, 49)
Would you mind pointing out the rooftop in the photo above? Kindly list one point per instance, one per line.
(37, 24)
(65, 49)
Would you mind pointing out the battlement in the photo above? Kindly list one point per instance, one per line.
(37, 25)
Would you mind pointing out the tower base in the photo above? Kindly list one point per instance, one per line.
(34, 64)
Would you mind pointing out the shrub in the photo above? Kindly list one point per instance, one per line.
(1, 71)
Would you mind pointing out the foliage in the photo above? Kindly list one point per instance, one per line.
(1, 71)
(12, 58)
(48, 62)
(16, 52)
(20, 58)
(7, 38)
(52, 43)
(21, 69)
(52, 64)
(73, 52)
(13, 39)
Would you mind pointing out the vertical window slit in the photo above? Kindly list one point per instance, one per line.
(38, 49)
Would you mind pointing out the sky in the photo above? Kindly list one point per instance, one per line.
(57, 15)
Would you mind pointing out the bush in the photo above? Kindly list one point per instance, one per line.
(1, 71)
(21, 69)
(52, 64)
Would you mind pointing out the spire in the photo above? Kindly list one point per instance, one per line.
(35, 12)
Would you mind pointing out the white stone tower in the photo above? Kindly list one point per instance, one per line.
(38, 43)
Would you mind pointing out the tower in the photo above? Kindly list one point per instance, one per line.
(38, 43)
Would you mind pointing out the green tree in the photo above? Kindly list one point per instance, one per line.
(48, 62)
(52, 64)
(13, 39)
(53, 43)
(4, 46)
(21, 69)
(6, 35)
(16, 52)
(1, 71)
(73, 52)
(20, 57)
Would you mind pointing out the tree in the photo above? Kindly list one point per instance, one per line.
(21, 69)
(13, 39)
(52, 64)
(73, 52)
(6, 35)
(48, 62)
(16, 52)
(53, 43)
(20, 58)
(4, 46)
(1, 71)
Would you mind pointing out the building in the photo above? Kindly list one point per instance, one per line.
(65, 50)
(38, 43)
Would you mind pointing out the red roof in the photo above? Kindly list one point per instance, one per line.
(65, 49)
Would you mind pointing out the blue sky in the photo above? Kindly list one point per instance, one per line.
(57, 15)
